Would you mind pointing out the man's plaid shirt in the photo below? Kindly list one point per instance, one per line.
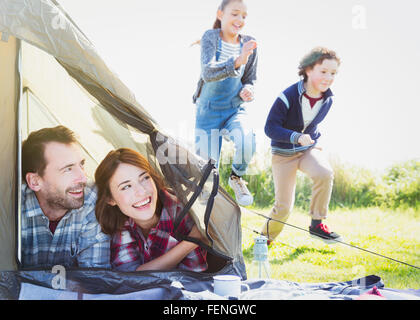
(129, 248)
(77, 241)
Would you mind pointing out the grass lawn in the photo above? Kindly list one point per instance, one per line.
(295, 256)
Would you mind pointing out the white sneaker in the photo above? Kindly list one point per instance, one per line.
(242, 194)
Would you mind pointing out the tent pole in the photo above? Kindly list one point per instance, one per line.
(18, 197)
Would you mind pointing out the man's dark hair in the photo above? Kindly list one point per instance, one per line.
(33, 147)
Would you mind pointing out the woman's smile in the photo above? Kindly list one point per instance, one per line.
(134, 192)
(143, 203)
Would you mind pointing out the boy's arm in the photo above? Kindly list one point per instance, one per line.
(274, 125)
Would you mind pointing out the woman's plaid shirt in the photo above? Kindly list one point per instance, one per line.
(129, 248)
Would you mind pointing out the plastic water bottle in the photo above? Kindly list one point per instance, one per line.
(260, 267)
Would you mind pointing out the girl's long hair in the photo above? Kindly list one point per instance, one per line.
(110, 217)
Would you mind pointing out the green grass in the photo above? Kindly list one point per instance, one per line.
(295, 256)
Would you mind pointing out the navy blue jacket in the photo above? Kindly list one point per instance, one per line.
(284, 123)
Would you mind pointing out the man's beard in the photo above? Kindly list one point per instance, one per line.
(56, 199)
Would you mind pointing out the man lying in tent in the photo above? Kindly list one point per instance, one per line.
(59, 226)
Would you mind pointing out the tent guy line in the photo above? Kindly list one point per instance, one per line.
(342, 242)
(259, 233)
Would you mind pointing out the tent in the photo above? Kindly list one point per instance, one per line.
(50, 74)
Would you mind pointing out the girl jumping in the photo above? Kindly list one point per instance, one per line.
(228, 73)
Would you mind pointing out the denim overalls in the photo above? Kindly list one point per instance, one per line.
(219, 113)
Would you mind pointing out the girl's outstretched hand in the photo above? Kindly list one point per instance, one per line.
(247, 49)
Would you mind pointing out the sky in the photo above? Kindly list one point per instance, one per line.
(374, 118)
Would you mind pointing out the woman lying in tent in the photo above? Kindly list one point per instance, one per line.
(138, 211)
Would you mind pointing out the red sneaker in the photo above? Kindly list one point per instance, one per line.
(322, 232)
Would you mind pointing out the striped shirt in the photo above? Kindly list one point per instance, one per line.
(229, 50)
(130, 249)
(77, 241)
(214, 70)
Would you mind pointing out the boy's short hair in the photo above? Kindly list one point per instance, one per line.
(316, 56)
(33, 147)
